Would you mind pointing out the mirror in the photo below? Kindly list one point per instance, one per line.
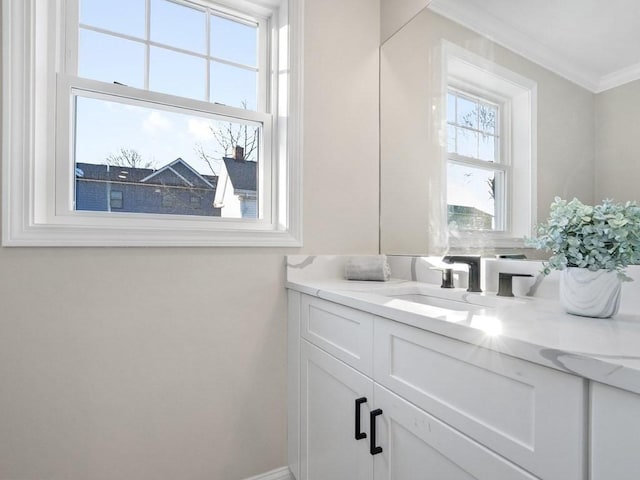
(582, 136)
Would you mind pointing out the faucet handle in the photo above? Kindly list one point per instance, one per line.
(447, 277)
(505, 283)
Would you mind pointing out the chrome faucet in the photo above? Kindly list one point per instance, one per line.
(474, 269)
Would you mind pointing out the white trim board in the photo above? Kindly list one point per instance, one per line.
(277, 474)
(485, 24)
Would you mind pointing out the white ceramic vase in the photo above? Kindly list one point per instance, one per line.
(590, 294)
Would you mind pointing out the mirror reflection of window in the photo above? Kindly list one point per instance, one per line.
(476, 171)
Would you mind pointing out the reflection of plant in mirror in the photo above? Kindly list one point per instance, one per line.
(605, 236)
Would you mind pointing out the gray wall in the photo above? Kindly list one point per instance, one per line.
(134, 363)
(411, 142)
(395, 13)
(617, 129)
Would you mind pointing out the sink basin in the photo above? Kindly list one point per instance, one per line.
(451, 299)
(459, 306)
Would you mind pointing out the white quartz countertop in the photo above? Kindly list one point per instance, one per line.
(537, 330)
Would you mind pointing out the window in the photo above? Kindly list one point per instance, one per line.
(489, 153)
(115, 200)
(152, 96)
(477, 175)
(168, 199)
(195, 201)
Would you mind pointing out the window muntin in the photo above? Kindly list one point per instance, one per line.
(477, 172)
(185, 49)
(109, 15)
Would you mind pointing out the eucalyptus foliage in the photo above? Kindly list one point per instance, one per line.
(605, 236)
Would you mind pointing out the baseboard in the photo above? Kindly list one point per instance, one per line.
(277, 474)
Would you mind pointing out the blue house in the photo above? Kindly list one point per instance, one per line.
(175, 189)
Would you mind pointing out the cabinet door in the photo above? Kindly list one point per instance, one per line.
(512, 406)
(329, 390)
(615, 437)
(417, 446)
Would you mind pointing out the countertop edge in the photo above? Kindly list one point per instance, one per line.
(594, 367)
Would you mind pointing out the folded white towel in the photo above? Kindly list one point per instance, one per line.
(367, 267)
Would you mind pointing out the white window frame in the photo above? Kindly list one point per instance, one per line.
(517, 96)
(37, 180)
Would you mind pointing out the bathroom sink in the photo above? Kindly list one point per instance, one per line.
(457, 305)
(450, 299)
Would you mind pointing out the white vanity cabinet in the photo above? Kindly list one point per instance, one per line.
(429, 407)
(338, 432)
(615, 433)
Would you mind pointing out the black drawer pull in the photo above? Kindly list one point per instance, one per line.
(359, 434)
(373, 449)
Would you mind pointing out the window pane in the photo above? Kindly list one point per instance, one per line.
(110, 59)
(467, 143)
(178, 26)
(163, 162)
(234, 86)
(467, 113)
(234, 41)
(470, 197)
(177, 73)
(121, 16)
(487, 148)
(487, 117)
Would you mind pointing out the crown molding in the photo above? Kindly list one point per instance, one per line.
(478, 20)
(619, 77)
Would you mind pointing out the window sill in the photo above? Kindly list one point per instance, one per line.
(485, 240)
(73, 236)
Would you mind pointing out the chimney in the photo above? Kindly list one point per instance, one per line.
(239, 153)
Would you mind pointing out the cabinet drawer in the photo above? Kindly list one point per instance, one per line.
(345, 333)
(533, 415)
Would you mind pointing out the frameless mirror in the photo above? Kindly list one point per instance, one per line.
(491, 108)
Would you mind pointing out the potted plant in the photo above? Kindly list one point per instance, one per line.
(592, 246)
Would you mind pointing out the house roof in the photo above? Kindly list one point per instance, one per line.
(111, 173)
(465, 210)
(242, 173)
(181, 169)
(176, 173)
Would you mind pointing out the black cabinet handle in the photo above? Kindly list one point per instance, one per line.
(373, 449)
(359, 433)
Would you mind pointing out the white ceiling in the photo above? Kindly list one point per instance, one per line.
(595, 44)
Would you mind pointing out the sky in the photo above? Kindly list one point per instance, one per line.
(103, 127)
